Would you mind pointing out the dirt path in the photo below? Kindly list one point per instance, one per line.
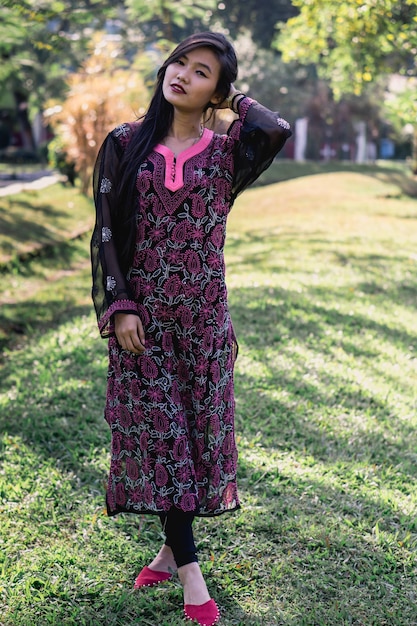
(34, 180)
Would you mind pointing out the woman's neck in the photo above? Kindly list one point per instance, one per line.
(185, 127)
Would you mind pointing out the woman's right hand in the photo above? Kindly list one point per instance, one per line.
(129, 332)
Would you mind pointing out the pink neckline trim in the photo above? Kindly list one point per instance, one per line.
(179, 162)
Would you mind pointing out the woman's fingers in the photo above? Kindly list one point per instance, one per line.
(141, 333)
(129, 332)
(133, 344)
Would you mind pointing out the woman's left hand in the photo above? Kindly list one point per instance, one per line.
(129, 332)
(226, 104)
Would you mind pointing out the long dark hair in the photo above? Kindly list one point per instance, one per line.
(155, 125)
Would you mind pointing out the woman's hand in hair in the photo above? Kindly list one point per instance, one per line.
(231, 99)
(129, 332)
(225, 104)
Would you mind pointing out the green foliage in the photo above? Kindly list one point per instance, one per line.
(322, 285)
(170, 13)
(259, 18)
(173, 19)
(59, 159)
(40, 41)
(353, 41)
(401, 109)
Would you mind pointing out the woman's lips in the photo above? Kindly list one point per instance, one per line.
(177, 88)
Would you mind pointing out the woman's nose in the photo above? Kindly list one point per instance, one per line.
(182, 75)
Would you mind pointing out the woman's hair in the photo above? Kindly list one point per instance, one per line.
(155, 125)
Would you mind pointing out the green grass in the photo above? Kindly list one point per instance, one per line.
(323, 290)
(34, 220)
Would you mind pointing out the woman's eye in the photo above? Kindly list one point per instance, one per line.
(200, 73)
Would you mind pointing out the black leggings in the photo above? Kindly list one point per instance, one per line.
(177, 526)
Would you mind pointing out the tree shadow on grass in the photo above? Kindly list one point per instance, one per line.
(63, 387)
(350, 427)
(329, 419)
(266, 247)
(367, 423)
(330, 539)
(283, 170)
(43, 300)
(62, 421)
(21, 230)
(406, 183)
(277, 316)
(20, 322)
(305, 317)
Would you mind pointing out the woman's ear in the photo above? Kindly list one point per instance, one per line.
(215, 100)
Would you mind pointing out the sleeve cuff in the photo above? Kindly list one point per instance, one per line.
(106, 323)
(243, 106)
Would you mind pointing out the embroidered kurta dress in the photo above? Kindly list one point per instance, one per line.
(171, 409)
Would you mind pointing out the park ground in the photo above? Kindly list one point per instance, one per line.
(323, 290)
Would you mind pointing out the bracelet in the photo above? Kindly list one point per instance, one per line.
(229, 100)
(239, 93)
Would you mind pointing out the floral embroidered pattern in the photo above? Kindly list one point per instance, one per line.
(106, 234)
(105, 186)
(171, 410)
(283, 123)
(122, 130)
(110, 283)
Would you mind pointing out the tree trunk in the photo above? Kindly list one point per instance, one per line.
(24, 122)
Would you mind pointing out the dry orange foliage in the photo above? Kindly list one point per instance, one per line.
(105, 92)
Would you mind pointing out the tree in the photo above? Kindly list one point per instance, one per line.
(164, 16)
(352, 41)
(40, 41)
(257, 16)
(171, 20)
(401, 109)
(355, 43)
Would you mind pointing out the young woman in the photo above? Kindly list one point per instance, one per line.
(163, 188)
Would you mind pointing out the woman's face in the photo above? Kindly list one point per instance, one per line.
(190, 83)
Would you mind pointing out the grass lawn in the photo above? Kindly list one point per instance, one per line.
(323, 290)
(37, 220)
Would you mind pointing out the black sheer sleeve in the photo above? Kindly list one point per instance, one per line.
(260, 135)
(110, 290)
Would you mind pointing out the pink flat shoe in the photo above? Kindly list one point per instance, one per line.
(205, 614)
(149, 577)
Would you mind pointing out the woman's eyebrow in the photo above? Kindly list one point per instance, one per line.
(207, 67)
